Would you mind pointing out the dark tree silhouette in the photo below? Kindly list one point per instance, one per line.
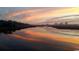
(10, 26)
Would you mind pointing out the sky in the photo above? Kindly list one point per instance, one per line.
(35, 15)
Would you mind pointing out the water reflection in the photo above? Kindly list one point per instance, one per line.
(36, 39)
(7, 31)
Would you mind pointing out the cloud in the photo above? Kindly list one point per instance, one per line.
(28, 16)
(38, 15)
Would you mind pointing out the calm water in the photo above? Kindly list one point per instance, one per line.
(40, 39)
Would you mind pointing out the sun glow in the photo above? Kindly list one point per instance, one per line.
(37, 15)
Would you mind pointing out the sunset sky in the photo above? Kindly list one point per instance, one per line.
(35, 15)
(39, 15)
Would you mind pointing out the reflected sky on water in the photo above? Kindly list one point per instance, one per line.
(39, 38)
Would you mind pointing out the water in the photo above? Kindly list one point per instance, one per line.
(38, 39)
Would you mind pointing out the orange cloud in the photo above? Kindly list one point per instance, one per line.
(37, 15)
(12, 14)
